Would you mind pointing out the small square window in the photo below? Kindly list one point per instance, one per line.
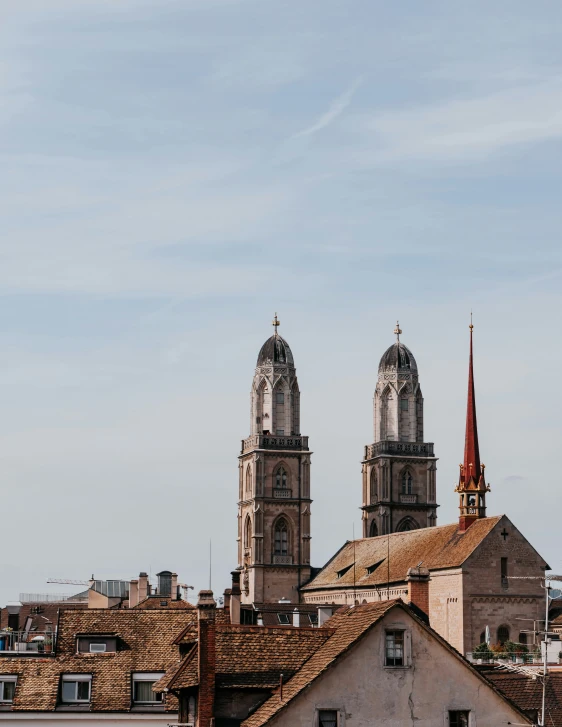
(394, 648)
(7, 688)
(283, 619)
(327, 718)
(458, 719)
(280, 397)
(404, 404)
(280, 432)
(142, 688)
(76, 688)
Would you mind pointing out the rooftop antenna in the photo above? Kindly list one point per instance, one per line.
(354, 593)
(210, 563)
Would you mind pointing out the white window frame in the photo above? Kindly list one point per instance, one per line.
(98, 648)
(407, 647)
(7, 678)
(77, 678)
(146, 676)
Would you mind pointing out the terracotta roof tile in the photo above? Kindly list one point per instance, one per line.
(145, 643)
(156, 602)
(526, 693)
(439, 547)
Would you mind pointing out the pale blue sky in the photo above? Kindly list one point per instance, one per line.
(174, 172)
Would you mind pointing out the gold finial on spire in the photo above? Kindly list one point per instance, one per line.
(471, 326)
(275, 323)
(398, 331)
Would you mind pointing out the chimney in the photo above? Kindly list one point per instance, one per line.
(143, 586)
(418, 588)
(133, 593)
(296, 618)
(324, 613)
(235, 598)
(227, 596)
(206, 610)
(174, 590)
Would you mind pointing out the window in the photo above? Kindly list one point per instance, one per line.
(280, 397)
(281, 538)
(248, 532)
(373, 531)
(372, 568)
(404, 404)
(522, 637)
(313, 618)
(503, 634)
(280, 432)
(503, 570)
(280, 478)
(458, 719)
(249, 478)
(327, 718)
(142, 688)
(76, 688)
(284, 619)
(96, 644)
(343, 571)
(98, 648)
(394, 648)
(406, 483)
(7, 688)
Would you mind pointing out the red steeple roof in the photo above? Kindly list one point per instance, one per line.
(471, 468)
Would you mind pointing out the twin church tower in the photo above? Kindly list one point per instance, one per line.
(399, 470)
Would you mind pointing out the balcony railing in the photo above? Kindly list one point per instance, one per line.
(269, 441)
(27, 643)
(408, 499)
(399, 449)
(282, 493)
(282, 560)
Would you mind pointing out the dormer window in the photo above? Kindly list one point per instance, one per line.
(343, 571)
(143, 693)
(7, 688)
(96, 643)
(76, 688)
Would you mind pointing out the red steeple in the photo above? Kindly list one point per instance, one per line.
(471, 466)
(472, 485)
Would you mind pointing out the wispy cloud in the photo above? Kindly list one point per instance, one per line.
(337, 107)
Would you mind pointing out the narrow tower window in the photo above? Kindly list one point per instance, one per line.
(248, 532)
(406, 482)
(281, 538)
(280, 479)
(249, 478)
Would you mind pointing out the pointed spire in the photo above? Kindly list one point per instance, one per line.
(471, 466)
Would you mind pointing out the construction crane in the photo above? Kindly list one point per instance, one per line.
(68, 581)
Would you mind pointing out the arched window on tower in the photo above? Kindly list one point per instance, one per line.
(374, 485)
(373, 530)
(407, 482)
(280, 478)
(249, 479)
(248, 532)
(281, 537)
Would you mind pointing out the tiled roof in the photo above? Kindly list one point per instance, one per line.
(152, 602)
(251, 656)
(48, 613)
(526, 692)
(145, 643)
(270, 612)
(346, 627)
(439, 547)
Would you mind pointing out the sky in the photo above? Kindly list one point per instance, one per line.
(174, 172)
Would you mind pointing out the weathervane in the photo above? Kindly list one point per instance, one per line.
(398, 331)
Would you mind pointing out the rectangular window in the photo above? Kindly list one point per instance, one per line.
(504, 579)
(283, 619)
(327, 718)
(76, 688)
(142, 688)
(7, 688)
(404, 404)
(280, 397)
(458, 719)
(394, 648)
(280, 432)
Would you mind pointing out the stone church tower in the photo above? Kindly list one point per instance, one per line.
(274, 483)
(399, 468)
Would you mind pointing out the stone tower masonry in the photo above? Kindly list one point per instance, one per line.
(274, 483)
(399, 468)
